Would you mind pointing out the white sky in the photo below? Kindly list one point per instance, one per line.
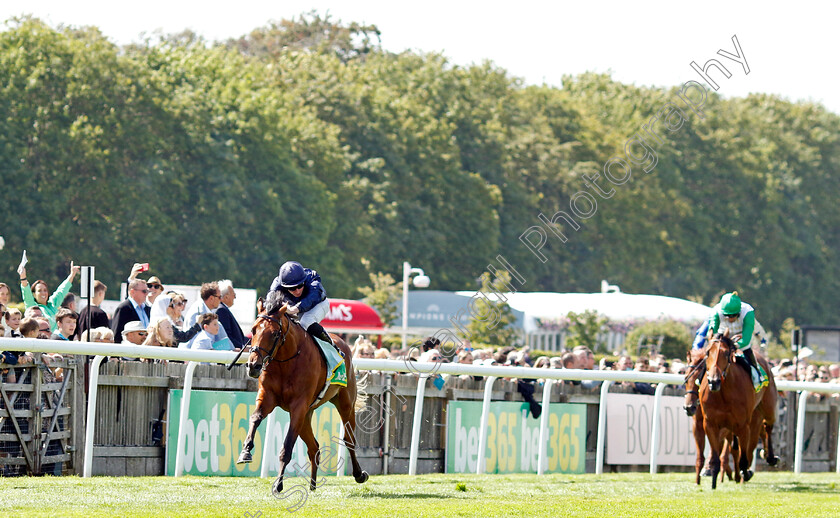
(787, 44)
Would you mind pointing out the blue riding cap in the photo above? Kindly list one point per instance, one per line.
(291, 274)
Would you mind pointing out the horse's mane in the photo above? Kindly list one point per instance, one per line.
(273, 302)
(724, 337)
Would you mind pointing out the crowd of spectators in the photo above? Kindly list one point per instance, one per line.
(150, 315)
(580, 357)
(153, 315)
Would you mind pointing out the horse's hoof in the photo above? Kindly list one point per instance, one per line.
(361, 479)
(277, 486)
(748, 474)
(772, 461)
(244, 458)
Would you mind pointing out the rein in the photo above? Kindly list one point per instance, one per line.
(279, 342)
(693, 367)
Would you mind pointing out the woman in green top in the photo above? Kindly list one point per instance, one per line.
(38, 295)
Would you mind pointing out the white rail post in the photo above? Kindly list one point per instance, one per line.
(268, 451)
(654, 440)
(185, 410)
(415, 426)
(800, 431)
(542, 464)
(602, 427)
(837, 455)
(91, 415)
(482, 430)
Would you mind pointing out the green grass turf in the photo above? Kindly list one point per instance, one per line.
(633, 495)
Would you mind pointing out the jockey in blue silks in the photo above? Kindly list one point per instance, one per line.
(301, 289)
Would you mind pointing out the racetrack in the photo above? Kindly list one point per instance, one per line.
(633, 495)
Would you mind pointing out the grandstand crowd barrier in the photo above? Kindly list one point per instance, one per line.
(424, 372)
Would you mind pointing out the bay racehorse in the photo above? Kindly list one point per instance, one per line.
(291, 374)
(730, 406)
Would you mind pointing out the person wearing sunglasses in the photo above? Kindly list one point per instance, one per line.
(132, 309)
(301, 289)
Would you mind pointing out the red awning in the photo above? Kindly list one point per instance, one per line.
(352, 316)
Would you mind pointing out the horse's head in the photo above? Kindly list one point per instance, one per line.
(268, 336)
(692, 380)
(718, 360)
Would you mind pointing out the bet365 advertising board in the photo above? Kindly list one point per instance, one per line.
(513, 438)
(218, 424)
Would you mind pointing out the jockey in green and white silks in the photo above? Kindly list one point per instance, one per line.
(739, 317)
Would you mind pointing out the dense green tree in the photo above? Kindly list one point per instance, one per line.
(305, 140)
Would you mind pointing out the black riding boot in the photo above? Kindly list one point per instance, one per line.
(750, 356)
(318, 331)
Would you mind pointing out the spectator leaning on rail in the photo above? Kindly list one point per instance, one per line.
(586, 361)
(38, 295)
(13, 318)
(65, 328)
(306, 297)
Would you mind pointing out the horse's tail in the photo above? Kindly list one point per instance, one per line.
(361, 392)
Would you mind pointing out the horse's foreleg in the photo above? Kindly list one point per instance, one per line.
(747, 446)
(248, 444)
(700, 441)
(296, 418)
(715, 444)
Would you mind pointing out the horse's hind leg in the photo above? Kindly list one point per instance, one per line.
(347, 411)
(769, 413)
(724, 459)
(767, 439)
(265, 404)
(732, 449)
(312, 450)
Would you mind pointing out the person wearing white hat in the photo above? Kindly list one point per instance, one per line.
(134, 333)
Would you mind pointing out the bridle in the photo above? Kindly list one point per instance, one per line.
(688, 374)
(728, 356)
(278, 343)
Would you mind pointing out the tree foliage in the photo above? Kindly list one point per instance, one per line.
(383, 295)
(584, 328)
(668, 337)
(493, 320)
(305, 140)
